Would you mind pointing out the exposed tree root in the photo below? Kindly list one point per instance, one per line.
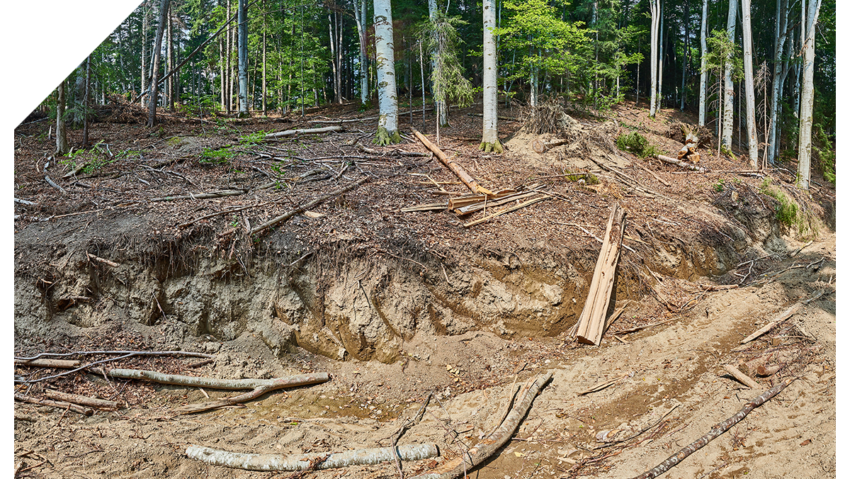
(494, 147)
(384, 138)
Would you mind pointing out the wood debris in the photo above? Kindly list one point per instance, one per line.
(304, 131)
(591, 323)
(776, 321)
(674, 161)
(458, 170)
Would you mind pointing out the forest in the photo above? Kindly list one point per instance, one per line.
(501, 239)
(753, 86)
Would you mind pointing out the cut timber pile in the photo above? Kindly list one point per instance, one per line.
(674, 161)
(689, 151)
(591, 323)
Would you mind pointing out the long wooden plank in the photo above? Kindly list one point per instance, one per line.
(458, 170)
(591, 323)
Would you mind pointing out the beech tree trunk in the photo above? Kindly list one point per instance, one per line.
(686, 18)
(145, 13)
(490, 137)
(61, 136)
(804, 153)
(243, 56)
(779, 72)
(163, 10)
(360, 19)
(752, 135)
(86, 104)
(729, 86)
(653, 55)
(385, 59)
(703, 74)
(170, 63)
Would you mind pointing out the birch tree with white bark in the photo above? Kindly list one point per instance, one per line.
(780, 70)
(703, 73)
(490, 137)
(385, 59)
(728, 83)
(752, 135)
(804, 153)
(654, 9)
(61, 135)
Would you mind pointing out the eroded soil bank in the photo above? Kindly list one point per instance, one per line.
(398, 305)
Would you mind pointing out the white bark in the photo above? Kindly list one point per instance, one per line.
(653, 55)
(385, 58)
(301, 462)
(703, 74)
(804, 153)
(360, 19)
(491, 134)
(163, 10)
(729, 86)
(752, 135)
(779, 72)
(61, 137)
(660, 99)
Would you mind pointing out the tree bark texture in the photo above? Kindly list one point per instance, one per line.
(385, 59)
(242, 46)
(490, 136)
(804, 149)
(163, 10)
(61, 135)
(653, 56)
(703, 74)
(728, 84)
(752, 135)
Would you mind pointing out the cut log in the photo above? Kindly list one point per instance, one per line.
(591, 323)
(715, 432)
(776, 321)
(304, 131)
(57, 404)
(458, 170)
(486, 448)
(743, 378)
(50, 363)
(307, 206)
(682, 164)
(82, 400)
(304, 462)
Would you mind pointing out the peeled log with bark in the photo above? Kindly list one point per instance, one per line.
(304, 131)
(302, 462)
(591, 323)
(458, 170)
(498, 438)
(715, 432)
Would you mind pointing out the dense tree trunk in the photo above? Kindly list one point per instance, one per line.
(729, 86)
(145, 13)
(385, 59)
(653, 57)
(660, 98)
(243, 57)
(228, 93)
(360, 19)
(170, 64)
(490, 137)
(86, 104)
(264, 57)
(703, 74)
(804, 153)
(779, 72)
(163, 10)
(61, 136)
(752, 135)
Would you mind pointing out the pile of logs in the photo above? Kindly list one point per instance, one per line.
(689, 151)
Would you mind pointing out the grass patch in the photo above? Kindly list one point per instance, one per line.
(788, 212)
(635, 143)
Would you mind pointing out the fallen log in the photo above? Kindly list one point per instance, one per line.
(458, 170)
(508, 210)
(776, 321)
(591, 323)
(682, 164)
(82, 400)
(201, 196)
(49, 363)
(307, 206)
(743, 378)
(458, 466)
(304, 131)
(303, 462)
(258, 387)
(715, 432)
(57, 404)
(134, 353)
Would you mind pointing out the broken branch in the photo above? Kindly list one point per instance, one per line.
(82, 400)
(682, 164)
(779, 319)
(57, 404)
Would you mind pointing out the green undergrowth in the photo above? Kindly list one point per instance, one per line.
(635, 143)
(216, 157)
(788, 211)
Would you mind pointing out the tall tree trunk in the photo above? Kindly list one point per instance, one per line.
(145, 13)
(686, 18)
(752, 133)
(61, 135)
(264, 58)
(804, 153)
(660, 99)
(242, 18)
(170, 63)
(385, 59)
(334, 62)
(703, 74)
(490, 137)
(653, 57)
(729, 86)
(221, 75)
(360, 19)
(779, 71)
(163, 10)
(228, 93)
(86, 104)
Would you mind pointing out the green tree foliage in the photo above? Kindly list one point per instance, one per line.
(440, 36)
